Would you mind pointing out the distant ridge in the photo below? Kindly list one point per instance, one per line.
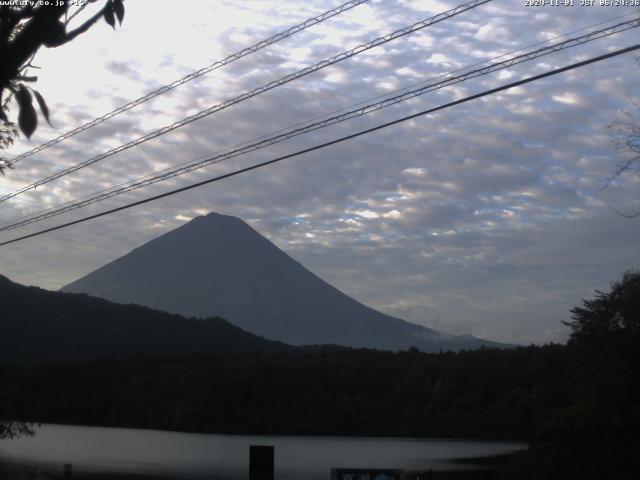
(218, 265)
(39, 325)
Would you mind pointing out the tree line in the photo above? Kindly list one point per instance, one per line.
(484, 393)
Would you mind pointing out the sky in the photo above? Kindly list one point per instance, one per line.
(489, 218)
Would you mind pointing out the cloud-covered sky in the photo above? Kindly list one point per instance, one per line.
(488, 218)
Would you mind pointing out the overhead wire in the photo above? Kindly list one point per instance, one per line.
(334, 142)
(348, 115)
(343, 109)
(264, 88)
(192, 76)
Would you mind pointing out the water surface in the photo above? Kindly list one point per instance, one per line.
(226, 457)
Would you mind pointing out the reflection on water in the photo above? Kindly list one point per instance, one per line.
(187, 455)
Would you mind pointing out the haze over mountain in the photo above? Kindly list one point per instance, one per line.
(40, 325)
(217, 265)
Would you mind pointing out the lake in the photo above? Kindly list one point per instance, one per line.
(193, 456)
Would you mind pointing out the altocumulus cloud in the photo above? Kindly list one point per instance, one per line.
(488, 218)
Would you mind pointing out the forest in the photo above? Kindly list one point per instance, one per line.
(485, 393)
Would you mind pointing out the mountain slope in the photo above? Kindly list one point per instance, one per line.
(218, 265)
(39, 325)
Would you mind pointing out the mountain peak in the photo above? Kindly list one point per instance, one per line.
(214, 216)
(217, 265)
(213, 220)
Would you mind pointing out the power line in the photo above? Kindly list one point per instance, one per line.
(269, 86)
(200, 163)
(265, 136)
(334, 142)
(287, 134)
(192, 76)
(290, 127)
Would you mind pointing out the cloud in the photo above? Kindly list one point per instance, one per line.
(487, 218)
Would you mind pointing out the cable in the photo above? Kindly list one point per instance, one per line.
(192, 76)
(344, 109)
(333, 142)
(363, 102)
(198, 163)
(268, 141)
(269, 86)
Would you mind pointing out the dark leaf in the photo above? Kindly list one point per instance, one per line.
(3, 116)
(27, 118)
(23, 97)
(109, 16)
(54, 34)
(118, 8)
(43, 106)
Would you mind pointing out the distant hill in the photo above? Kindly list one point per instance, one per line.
(39, 325)
(218, 265)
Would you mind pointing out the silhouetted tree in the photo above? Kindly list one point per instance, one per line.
(600, 434)
(626, 136)
(12, 410)
(610, 323)
(24, 28)
(14, 428)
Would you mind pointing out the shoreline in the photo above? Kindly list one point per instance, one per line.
(35, 425)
